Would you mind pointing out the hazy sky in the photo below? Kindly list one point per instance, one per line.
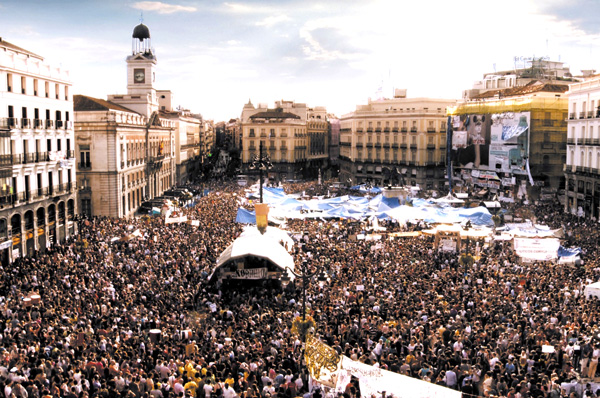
(216, 55)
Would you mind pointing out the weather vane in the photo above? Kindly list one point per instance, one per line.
(142, 17)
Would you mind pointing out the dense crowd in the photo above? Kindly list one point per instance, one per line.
(127, 316)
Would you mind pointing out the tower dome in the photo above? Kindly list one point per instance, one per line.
(140, 40)
(141, 32)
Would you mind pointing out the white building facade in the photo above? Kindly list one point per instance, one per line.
(37, 173)
(582, 170)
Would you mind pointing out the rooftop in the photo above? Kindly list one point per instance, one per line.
(10, 46)
(530, 88)
(82, 103)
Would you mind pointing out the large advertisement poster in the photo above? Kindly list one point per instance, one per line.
(497, 142)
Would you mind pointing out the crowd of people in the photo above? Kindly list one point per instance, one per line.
(133, 315)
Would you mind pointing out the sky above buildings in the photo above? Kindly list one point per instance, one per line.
(216, 55)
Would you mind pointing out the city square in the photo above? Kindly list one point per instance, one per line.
(411, 230)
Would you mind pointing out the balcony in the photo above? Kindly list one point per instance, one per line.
(431, 129)
(394, 145)
(370, 130)
(359, 145)
(378, 130)
(395, 129)
(386, 130)
(30, 157)
(49, 124)
(430, 146)
(590, 114)
(369, 145)
(6, 160)
(39, 193)
(25, 123)
(359, 130)
(403, 145)
(60, 124)
(591, 141)
(582, 115)
(18, 159)
(413, 129)
(38, 123)
(572, 115)
(404, 129)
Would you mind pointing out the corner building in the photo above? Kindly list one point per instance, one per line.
(37, 173)
(395, 141)
(294, 137)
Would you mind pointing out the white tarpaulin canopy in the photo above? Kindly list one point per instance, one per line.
(259, 246)
(276, 234)
(592, 290)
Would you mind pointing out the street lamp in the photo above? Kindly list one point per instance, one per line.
(262, 163)
(305, 276)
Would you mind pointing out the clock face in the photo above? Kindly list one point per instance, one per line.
(139, 76)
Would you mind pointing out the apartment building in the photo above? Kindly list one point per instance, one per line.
(395, 141)
(189, 137)
(37, 173)
(293, 136)
(511, 142)
(582, 169)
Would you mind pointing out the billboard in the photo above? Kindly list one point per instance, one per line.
(498, 142)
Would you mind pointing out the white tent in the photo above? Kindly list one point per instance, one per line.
(256, 246)
(276, 234)
(592, 290)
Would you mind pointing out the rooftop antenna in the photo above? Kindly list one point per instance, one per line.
(142, 17)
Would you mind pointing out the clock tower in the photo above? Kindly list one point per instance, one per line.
(141, 65)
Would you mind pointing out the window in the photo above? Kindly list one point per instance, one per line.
(56, 91)
(35, 87)
(67, 94)
(23, 85)
(9, 82)
(47, 90)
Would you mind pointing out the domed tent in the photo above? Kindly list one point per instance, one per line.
(253, 257)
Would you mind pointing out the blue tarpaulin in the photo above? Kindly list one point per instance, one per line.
(564, 252)
(245, 217)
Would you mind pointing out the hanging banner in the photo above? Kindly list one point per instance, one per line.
(250, 273)
(537, 249)
(376, 382)
(322, 361)
(447, 245)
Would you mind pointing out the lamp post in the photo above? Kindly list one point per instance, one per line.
(305, 276)
(262, 163)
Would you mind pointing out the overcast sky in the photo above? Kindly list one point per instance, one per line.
(216, 55)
